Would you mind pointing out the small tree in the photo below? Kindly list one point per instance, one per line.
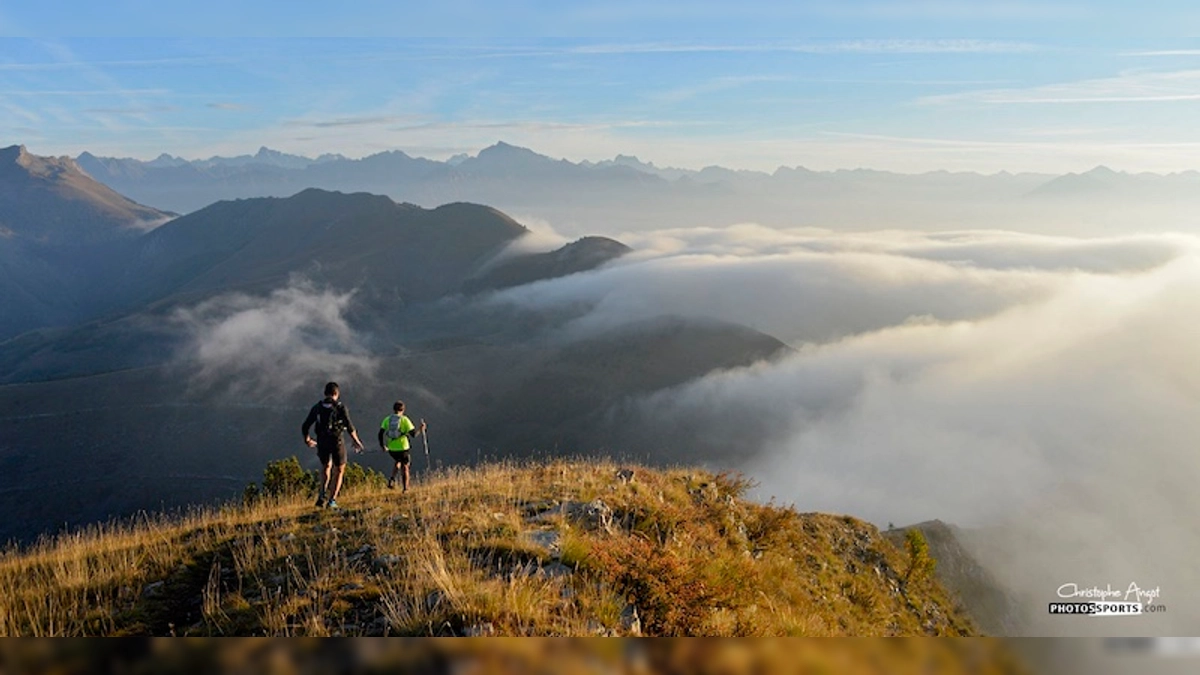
(285, 477)
(920, 563)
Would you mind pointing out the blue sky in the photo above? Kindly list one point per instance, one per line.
(857, 97)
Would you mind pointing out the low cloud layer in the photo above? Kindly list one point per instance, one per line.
(1042, 390)
(270, 346)
(815, 286)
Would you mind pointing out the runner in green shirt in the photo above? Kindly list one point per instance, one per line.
(394, 432)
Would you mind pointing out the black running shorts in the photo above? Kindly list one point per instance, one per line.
(336, 452)
(402, 456)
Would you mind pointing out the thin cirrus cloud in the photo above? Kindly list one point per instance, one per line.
(1138, 87)
(713, 86)
(349, 121)
(132, 110)
(530, 126)
(82, 64)
(832, 47)
(955, 10)
(1163, 52)
(85, 92)
(980, 144)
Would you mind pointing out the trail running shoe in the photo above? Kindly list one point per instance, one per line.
(321, 500)
(332, 504)
(391, 483)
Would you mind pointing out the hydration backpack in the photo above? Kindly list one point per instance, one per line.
(330, 420)
(393, 428)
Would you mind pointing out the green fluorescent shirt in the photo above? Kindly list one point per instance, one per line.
(401, 443)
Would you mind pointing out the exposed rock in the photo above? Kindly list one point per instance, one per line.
(385, 562)
(594, 515)
(360, 553)
(486, 629)
(548, 571)
(631, 623)
(625, 476)
(597, 515)
(556, 569)
(547, 539)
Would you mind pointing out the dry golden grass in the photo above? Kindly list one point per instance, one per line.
(486, 550)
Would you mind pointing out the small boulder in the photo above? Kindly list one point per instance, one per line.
(630, 621)
(597, 515)
(385, 562)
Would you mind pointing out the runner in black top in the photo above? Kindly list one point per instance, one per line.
(329, 417)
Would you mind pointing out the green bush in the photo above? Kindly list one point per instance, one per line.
(285, 477)
(251, 494)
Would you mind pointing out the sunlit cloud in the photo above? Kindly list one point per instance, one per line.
(983, 378)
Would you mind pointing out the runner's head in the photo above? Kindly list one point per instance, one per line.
(331, 390)
(398, 407)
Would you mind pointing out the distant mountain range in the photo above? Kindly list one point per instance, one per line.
(626, 194)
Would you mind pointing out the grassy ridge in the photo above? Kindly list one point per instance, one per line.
(561, 548)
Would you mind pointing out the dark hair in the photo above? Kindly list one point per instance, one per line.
(331, 388)
(398, 406)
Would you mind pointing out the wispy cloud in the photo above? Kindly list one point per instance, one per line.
(132, 110)
(78, 64)
(713, 86)
(1024, 145)
(833, 47)
(532, 126)
(1163, 52)
(954, 10)
(227, 106)
(351, 121)
(21, 113)
(85, 92)
(1139, 87)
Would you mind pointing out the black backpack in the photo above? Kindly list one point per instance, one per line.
(331, 420)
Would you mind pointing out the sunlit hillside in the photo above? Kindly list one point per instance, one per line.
(562, 548)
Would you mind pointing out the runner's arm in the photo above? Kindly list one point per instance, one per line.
(358, 446)
(308, 422)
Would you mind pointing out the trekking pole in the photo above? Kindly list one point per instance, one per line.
(425, 440)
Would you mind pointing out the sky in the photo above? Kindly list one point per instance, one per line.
(870, 92)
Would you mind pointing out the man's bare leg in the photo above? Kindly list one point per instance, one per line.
(336, 479)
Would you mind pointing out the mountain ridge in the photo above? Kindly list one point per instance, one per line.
(544, 548)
